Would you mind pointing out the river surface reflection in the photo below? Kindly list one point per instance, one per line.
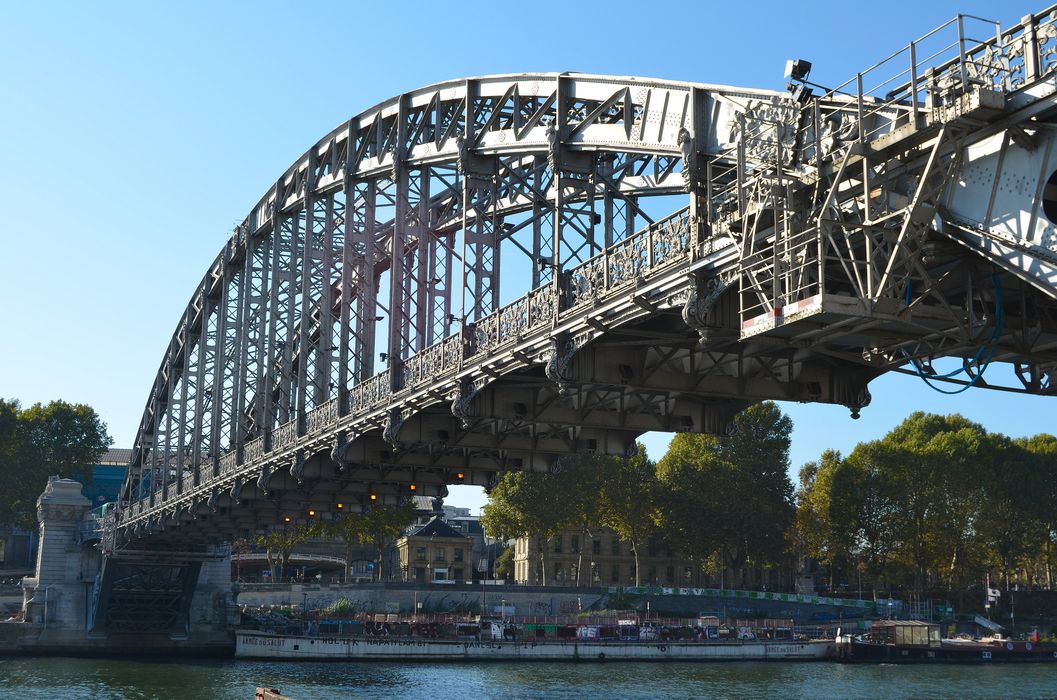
(66, 678)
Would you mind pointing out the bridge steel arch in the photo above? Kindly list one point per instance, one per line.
(392, 226)
(496, 244)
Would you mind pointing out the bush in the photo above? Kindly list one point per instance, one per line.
(341, 606)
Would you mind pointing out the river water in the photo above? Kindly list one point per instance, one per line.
(61, 678)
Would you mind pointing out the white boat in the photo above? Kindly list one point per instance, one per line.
(263, 645)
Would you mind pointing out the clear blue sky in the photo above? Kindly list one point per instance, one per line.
(133, 136)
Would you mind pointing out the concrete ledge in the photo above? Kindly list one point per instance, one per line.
(32, 639)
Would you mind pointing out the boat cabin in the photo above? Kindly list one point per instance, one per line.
(905, 633)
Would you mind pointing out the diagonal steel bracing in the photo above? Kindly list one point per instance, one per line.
(476, 276)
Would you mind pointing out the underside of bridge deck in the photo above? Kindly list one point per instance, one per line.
(484, 275)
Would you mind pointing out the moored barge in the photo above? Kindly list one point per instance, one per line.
(386, 637)
(908, 641)
(264, 645)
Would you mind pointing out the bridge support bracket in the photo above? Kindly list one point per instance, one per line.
(559, 364)
(697, 309)
(297, 467)
(394, 420)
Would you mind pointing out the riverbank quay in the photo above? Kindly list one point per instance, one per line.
(475, 598)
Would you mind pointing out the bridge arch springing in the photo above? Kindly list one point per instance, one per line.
(469, 278)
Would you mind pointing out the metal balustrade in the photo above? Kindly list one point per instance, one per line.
(795, 195)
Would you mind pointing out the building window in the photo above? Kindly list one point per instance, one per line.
(596, 575)
(631, 573)
(439, 554)
(669, 575)
(651, 549)
(616, 546)
(596, 546)
(558, 544)
(420, 574)
(457, 574)
(458, 554)
(559, 573)
(574, 544)
(651, 577)
(420, 553)
(616, 573)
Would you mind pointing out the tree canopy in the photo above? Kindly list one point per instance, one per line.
(731, 500)
(937, 502)
(374, 527)
(728, 501)
(40, 441)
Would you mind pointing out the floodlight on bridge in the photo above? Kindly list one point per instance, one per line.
(774, 280)
(797, 69)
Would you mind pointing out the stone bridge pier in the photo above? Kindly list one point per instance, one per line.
(82, 602)
(56, 595)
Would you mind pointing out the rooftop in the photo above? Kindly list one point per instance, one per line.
(436, 527)
(116, 456)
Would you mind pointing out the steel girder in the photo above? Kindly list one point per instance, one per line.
(823, 242)
(416, 196)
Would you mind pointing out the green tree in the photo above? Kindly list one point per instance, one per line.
(55, 439)
(523, 504)
(577, 488)
(825, 511)
(504, 564)
(687, 508)
(278, 545)
(629, 504)
(376, 527)
(384, 524)
(760, 493)
(1014, 519)
(934, 465)
(732, 497)
(1043, 450)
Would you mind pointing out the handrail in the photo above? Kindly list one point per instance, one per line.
(651, 248)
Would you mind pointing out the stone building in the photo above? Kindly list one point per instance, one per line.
(435, 552)
(469, 526)
(606, 560)
(609, 561)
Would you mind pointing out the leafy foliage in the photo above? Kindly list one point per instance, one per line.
(278, 545)
(504, 564)
(629, 501)
(375, 527)
(938, 501)
(55, 439)
(731, 499)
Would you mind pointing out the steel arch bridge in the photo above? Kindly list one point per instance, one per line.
(486, 274)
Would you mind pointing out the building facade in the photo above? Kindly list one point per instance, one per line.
(606, 560)
(609, 561)
(435, 552)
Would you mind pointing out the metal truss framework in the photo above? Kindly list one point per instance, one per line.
(495, 245)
